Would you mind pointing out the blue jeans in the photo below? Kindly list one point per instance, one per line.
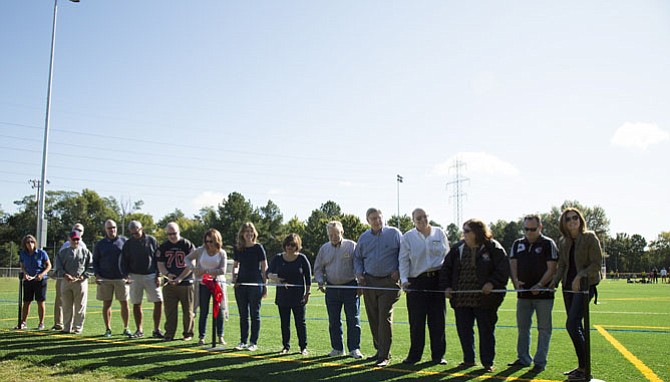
(524, 319)
(249, 303)
(204, 296)
(574, 306)
(335, 299)
(300, 325)
(486, 325)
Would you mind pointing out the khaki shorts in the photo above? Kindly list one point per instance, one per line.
(141, 284)
(108, 289)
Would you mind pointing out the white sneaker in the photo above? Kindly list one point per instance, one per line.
(252, 347)
(304, 352)
(241, 346)
(356, 354)
(336, 353)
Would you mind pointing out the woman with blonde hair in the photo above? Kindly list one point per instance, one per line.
(208, 263)
(579, 261)
(249, 267)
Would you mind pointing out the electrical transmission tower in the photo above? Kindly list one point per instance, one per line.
(457, 187)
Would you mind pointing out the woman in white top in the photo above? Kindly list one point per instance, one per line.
(209, 259)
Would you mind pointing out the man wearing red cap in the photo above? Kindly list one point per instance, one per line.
(73, 266)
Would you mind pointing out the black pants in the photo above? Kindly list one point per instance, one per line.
(486, 324)
(300, 325)
(422, 306)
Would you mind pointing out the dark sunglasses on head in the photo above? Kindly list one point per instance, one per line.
(574, 218)
(530, 229)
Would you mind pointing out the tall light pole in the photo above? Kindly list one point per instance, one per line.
(41, 223)
(398, 180)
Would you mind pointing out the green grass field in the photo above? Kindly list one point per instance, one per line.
(630, 335)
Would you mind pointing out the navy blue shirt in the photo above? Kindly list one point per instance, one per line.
(250, 260)
(296, 272)
(107, 258)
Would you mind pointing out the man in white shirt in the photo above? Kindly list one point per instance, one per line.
(422, 253)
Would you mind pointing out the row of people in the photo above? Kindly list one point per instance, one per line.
(473, 274)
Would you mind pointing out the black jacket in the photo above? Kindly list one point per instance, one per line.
(492, 265)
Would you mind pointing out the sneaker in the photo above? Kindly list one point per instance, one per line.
(76, 331)
(187, 338)
(537, 369)
(21, 326)
(108, 333)
(283, 351)
(56, 328)
(241, 346)
(157, 334)
(137, 334)
(489, 369)
(336, 353)
(222, 341)
(304, 352)
(252, 347)
(168, 339)
(578, 375)
(40, 327)
(201, 341)
(356, 354)
(383, 362)
(127, 332)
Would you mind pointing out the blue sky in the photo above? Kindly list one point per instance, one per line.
(181, 103)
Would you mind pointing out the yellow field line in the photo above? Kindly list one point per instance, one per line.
(282, 359)
(646, 371)
(636, 327)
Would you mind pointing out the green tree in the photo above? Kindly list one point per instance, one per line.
(191, 228)
(506, 232)
(406, 223)
(454, 233)
(234, 211)
(353, 227)
(660, 250)
(315, 228)
(271, 227)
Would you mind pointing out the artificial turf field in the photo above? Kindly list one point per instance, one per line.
(630, 335)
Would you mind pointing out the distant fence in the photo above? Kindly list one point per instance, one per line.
(10, 272)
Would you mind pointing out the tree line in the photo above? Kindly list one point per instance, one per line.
(623, 252)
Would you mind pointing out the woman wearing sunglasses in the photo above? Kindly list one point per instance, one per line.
(292, 269)
(478, 264)
(579, 261)
(209, 262)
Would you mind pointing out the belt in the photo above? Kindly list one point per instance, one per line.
(377, 277)
(428, 274)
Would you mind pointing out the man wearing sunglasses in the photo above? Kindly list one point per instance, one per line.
(73, 266)
(533, 260)
(58, 305)
(179, 285)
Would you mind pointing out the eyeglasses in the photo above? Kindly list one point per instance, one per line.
(530, 229)
(291, 245)
(467, 230)
(209, 241)
(172, 234)
(75, 239)
(574, 218)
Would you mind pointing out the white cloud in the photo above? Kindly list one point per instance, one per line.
(477, 162)
(207, 198)
(638, 135)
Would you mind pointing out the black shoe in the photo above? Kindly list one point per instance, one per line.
(578, 375)
(489, 369)
(465, 365)
(517, 363)
(537, 369)
(372, 357)
(408, 361)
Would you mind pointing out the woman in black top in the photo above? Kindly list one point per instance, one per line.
(249, 267)
(292, 269)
